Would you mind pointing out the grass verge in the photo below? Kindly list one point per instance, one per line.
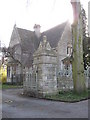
(69, 96)
(8, 86)
(64, 96)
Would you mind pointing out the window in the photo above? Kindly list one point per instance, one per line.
(8, 71)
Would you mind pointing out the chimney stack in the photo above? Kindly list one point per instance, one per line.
(37, 30)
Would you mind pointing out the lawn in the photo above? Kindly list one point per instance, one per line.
(8, 86)
(69, 96)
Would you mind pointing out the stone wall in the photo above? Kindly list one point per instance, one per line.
(43, 75)
(65, 39)
(15, 38)
(14, 74)
(87, 77)
(65, 83)
(29, 83)
(43, 78)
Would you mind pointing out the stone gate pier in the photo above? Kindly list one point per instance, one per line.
(44, 69)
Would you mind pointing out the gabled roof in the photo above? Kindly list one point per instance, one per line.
(54, 34)
(29, 42)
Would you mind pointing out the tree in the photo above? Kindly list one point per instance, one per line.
(10, 53)
(85, 38)
(77, 62)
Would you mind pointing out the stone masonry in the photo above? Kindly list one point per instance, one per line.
(41, 79)
(45, 64)
(44, 70)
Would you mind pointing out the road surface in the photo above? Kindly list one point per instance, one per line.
(17, 106)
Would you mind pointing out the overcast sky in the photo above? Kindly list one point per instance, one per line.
(26, 13)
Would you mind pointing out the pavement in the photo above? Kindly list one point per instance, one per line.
(17, 106)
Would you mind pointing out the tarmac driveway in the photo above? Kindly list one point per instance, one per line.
(17, 106)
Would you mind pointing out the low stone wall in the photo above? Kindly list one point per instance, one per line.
(87, 82)
(64, 83)
(87, 77)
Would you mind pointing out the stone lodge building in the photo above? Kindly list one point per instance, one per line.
(43, 61)
(25, 43)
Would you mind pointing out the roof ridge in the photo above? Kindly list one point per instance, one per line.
(24, 29)
(56, 26)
